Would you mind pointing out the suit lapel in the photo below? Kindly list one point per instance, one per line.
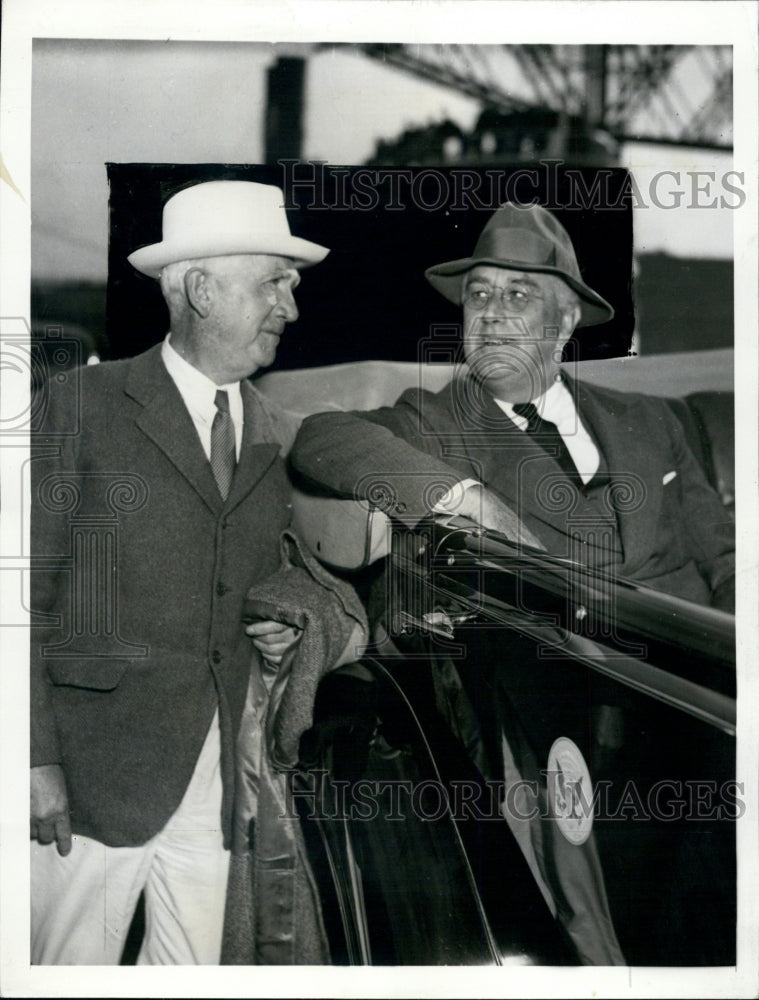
(515, 467)
(256, 453)
(635, 479)
(166, 421)
(509, 459)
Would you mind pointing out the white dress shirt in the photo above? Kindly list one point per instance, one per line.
(199, 393)
(557, 406)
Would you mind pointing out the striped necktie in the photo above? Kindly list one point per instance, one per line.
(548, 437)
(223, 454)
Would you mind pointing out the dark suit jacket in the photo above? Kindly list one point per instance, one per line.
(140, 574)
(649, 515)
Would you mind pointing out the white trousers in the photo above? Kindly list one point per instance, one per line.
(83, 904)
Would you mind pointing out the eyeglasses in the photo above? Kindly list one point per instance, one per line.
(513, 299)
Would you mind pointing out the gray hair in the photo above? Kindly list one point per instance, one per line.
(172, 281)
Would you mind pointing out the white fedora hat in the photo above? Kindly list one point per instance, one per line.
(220, 218)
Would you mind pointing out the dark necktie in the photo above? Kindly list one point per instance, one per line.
(223, 455)
(547, 436)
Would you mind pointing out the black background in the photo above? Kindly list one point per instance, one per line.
(369, 298)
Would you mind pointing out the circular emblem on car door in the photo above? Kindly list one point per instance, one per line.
(570, 791)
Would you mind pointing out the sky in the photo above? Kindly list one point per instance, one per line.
(137, 101)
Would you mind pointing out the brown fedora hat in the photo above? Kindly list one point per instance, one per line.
(523, 238)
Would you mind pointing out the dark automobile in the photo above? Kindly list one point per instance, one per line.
(618, 704)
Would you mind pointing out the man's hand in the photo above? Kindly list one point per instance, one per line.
(486, 509)
(273, 639)
(49, 813)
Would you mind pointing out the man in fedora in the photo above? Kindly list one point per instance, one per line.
(517, 445)
(500, 439)
(162, 478)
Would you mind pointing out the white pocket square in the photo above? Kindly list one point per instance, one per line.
(668, 477)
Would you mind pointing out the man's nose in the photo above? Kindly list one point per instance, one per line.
(495, 308)
(504, 318)
(286, 306)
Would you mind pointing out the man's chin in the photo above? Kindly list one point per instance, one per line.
(266, 351)
(508, 379)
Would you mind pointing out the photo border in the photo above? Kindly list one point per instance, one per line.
(422, 21)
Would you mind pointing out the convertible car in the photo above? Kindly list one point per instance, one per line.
(547, 773)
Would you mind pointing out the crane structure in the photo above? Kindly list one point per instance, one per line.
(673, 94)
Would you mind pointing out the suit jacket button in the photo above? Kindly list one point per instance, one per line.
(216, 656)
(221, 589)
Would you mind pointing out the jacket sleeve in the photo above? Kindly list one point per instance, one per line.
(708, 526)
(392, 457)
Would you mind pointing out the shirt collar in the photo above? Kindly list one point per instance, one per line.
(197, 390)
(555, 404)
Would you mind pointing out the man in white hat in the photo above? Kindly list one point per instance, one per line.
(162, 476)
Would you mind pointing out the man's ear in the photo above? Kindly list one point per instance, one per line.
(197, 291)
(570, 317)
